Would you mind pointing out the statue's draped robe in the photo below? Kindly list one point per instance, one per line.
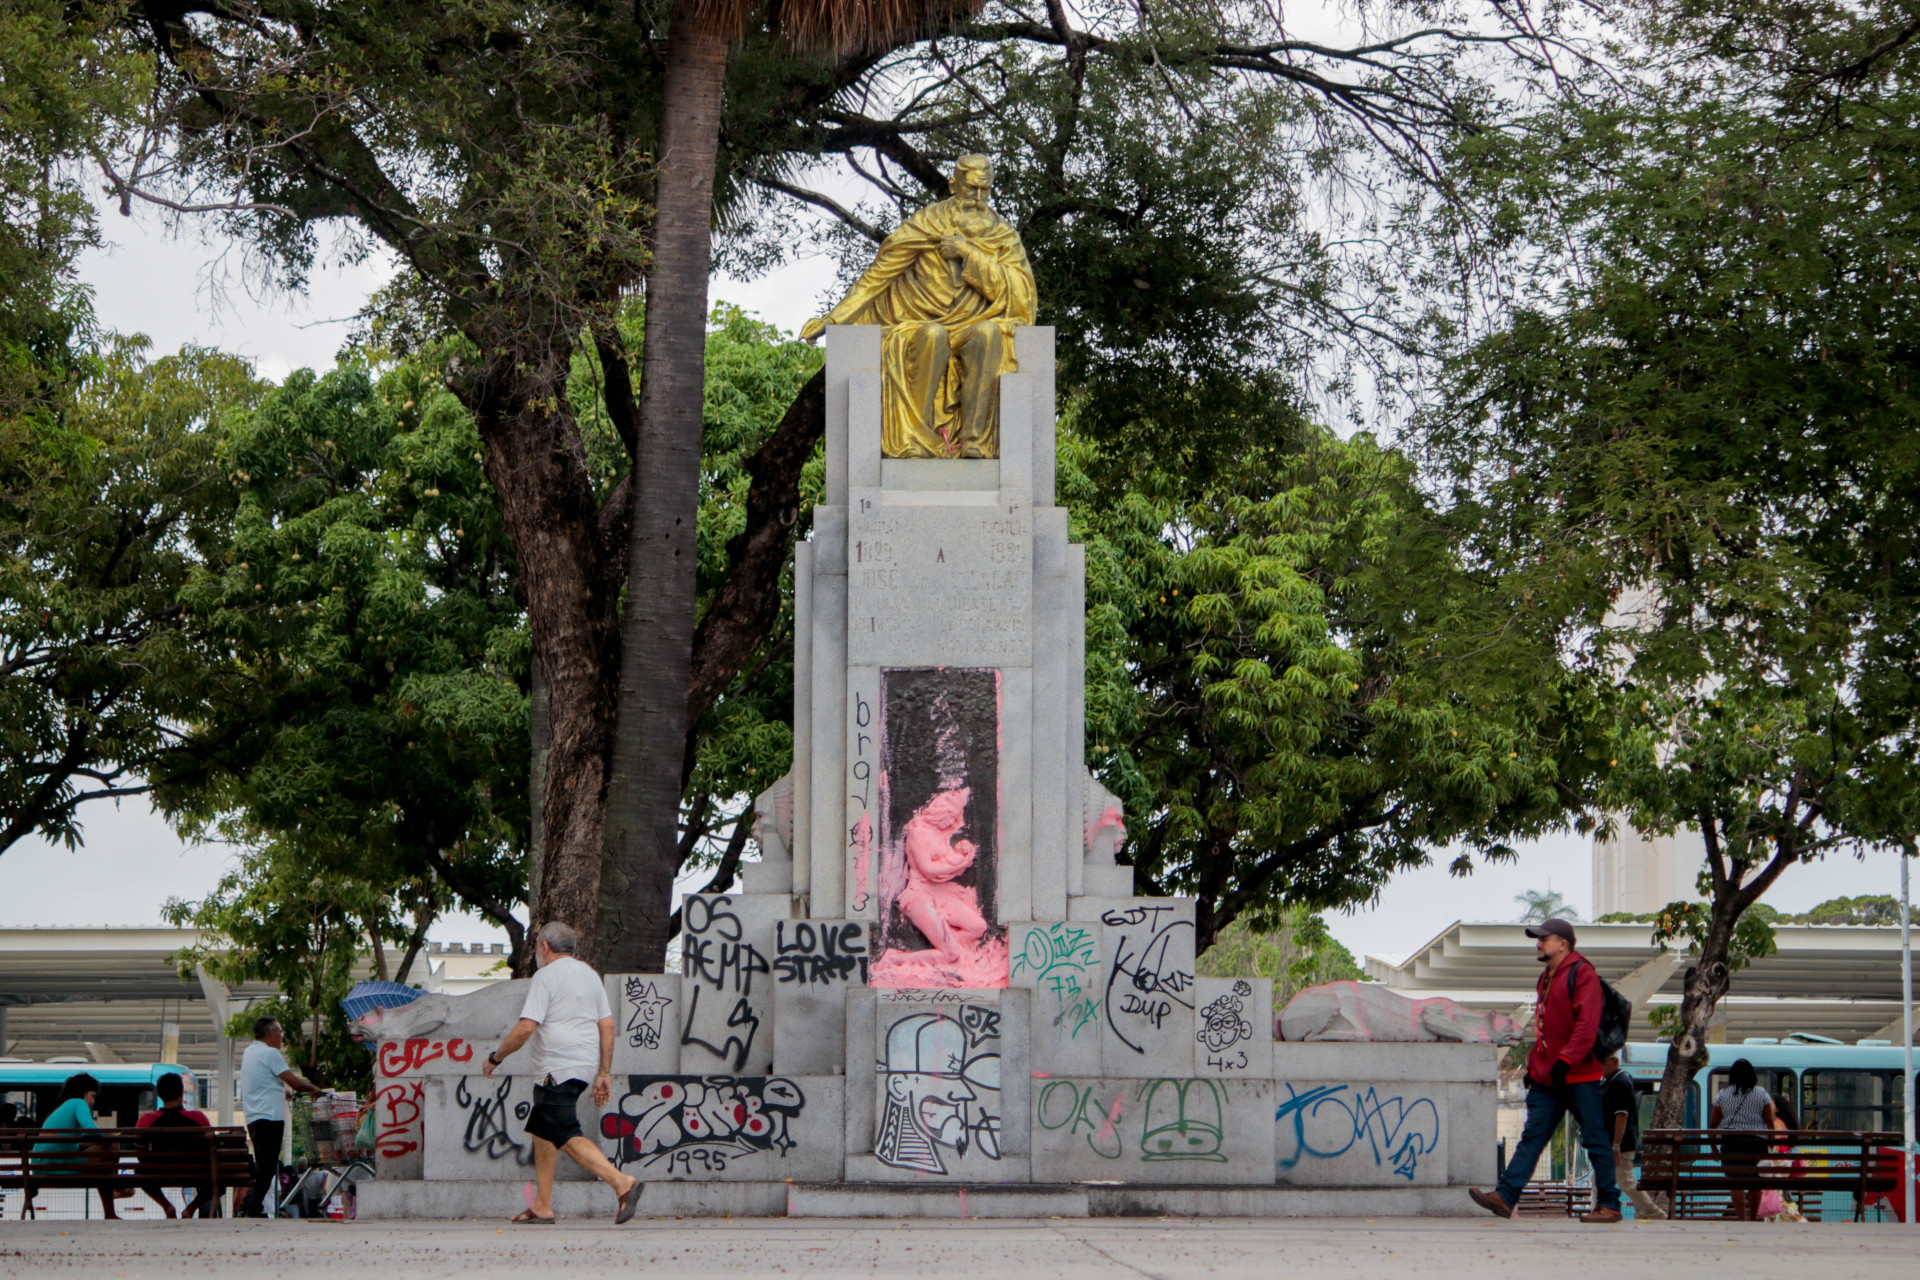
(930, 407)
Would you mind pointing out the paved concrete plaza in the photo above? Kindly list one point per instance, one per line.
(1100, 1249)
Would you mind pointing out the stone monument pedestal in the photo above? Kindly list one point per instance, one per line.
(937, 994)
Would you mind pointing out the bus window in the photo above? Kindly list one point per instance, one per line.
(1857, 1101)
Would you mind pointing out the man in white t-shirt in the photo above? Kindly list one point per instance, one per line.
(571, 1025)
(265, 1078)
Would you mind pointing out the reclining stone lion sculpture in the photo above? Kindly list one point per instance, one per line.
(482, 1015)
(1369, 1012)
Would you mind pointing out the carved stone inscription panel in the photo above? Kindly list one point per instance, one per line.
(940, 585)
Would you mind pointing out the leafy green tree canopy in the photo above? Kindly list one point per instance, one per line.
(106, 510)
(1299, 689)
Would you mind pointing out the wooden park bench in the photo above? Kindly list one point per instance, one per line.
(1553, 1198)
(1697, 1171)
(191, 1159)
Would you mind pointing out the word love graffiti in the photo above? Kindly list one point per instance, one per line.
(706, 1121)
(1328, 1121)
(819, 952)
(1147, 981)
(408, 1057)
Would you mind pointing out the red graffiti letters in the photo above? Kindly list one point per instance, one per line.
(407, 1057)
(397, 1108)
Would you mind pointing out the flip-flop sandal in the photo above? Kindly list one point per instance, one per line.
(528, 1218)
(629, 1202)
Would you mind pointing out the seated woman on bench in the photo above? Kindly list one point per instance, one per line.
(1744, 1112)
(75, 1113)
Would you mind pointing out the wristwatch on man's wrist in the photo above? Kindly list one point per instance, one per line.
(493, 1059)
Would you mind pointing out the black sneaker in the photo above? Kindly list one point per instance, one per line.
(1492, 1201)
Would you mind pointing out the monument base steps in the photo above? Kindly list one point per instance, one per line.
(911, 1200)
(571, 1200)
(576, 1201)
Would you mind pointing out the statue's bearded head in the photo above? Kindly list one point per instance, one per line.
(972, 180)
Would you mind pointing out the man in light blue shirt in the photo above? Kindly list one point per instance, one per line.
(265, 1078)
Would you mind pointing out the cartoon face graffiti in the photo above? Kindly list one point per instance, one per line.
(1221, 1023)
(941, 1090)
(1185, 1120)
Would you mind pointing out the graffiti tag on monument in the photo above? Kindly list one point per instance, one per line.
(487, 1130)
(1062, 959)
(717, 960)
(941, 1085)
(809, 952)
(397, 1109)
(1177, 1119)
(1223, 1024)
(647, 1012)
(701, 1123)
(407, 1057)
(1326, 1122)
(1150, 976)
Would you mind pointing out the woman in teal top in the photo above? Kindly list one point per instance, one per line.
(74, 1113)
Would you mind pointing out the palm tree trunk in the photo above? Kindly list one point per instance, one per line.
(643, 802)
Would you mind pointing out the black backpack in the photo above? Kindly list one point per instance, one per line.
(1616, 1016)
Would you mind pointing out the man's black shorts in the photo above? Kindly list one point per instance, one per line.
(555, 1116)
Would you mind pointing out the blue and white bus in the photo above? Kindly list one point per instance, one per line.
(1829, 1085)
(126, 1089)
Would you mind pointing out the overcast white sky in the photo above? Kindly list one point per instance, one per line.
(151, 282)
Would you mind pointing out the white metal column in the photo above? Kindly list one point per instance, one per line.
(1906, 1040)
(220, 1006)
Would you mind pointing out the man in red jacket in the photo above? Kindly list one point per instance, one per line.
(1562, 1075)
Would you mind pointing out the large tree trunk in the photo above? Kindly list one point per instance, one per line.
(657, 634)
(539, 469)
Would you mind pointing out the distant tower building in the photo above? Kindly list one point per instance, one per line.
(1633, 872)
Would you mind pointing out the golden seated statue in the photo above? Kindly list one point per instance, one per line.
(950, 285)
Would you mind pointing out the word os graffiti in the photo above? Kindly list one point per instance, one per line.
(1328, 1121)
(702, 1120)
(718, 962)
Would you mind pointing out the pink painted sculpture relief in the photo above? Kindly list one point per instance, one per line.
(947, 913)
(940, 739)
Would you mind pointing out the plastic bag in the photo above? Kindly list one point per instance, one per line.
(1772, 1204)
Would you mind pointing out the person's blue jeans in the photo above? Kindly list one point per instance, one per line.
(1545, 1107)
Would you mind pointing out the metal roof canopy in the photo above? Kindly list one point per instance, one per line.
(103, 993)
(1841, 981)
